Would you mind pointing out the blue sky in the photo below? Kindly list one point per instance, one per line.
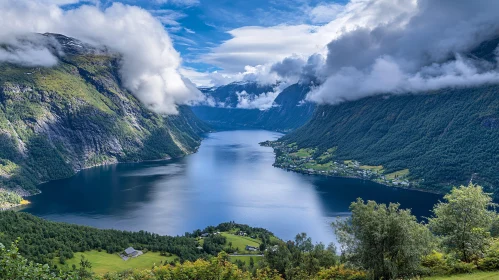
(198, 26)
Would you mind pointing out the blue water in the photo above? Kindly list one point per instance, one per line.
(230, 178)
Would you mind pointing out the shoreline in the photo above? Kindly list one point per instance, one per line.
(355, 173)
(361, 178)
(26, 194)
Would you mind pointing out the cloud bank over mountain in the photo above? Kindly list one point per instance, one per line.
(368, 47)
(150, 65)
(427, 52)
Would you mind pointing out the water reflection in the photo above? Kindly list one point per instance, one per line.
(231, 178)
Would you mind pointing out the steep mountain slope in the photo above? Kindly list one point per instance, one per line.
(443, 137)
(287, 113)
(56, 121)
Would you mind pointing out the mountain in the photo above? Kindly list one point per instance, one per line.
(444, 137)
(58, 120)
(288, 111)
(437, 139)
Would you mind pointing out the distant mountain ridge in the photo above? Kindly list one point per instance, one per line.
(58, 120)
(444, 137)
(288, 111)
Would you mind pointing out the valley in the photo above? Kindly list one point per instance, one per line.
(230, 177)
(249, 140)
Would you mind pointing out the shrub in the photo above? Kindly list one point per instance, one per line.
(341, 273)
(458, 266)
(435, 264)
(491, 259)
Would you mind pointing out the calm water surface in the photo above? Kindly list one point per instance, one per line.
(230, 178)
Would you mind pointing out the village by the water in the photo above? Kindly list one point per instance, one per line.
(306, 161)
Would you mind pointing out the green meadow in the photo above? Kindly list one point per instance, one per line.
(103, 262)
(472, 276)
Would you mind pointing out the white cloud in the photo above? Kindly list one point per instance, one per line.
(386, 76)
(420, 53)
(256, 45)
(262, 101)
(168, 17)
(150, 65)
(325, 13)
(372, 47)
(28, 51)
(187, 3)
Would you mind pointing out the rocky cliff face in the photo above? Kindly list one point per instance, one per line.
(56, 121)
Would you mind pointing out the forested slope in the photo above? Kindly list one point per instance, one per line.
(444, 137)
(55, 121)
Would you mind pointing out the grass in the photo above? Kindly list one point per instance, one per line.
(377, 169)
(319, 167)
(103, 262)
(398, 174)
(240, 242)
(473, 276)
(246, 259)
(303, 153)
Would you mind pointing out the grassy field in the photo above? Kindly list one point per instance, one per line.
(398, 174)
(241, 241)
(377, 169)
(303, 153)
(319, 167)
(246, 259)
(474, 276)
(103, 262)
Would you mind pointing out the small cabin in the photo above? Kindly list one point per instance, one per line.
(251, 248)
(132, 253)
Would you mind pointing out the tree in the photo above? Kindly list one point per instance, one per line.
(464, 221)
(14, 266)
(84, 270)
(386, 241)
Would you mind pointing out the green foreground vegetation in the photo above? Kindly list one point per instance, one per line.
(378, 241)
(469, 276)
(103, 262)
(246, 259)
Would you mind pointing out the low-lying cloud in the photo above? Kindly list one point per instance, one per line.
(150, 66)
(369, 47)
(31, 50)
(427, 52)
(263, 101)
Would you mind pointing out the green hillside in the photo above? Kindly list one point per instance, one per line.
(56, 121)
(443, 138)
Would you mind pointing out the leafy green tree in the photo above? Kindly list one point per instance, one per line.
(85, 268)
(464, 221)
(279, 259)
(386, 241)
(13, 266)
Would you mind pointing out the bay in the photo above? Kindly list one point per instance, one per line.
(230, 178)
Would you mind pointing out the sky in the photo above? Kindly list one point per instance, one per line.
(349, 49)
(199, 28)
